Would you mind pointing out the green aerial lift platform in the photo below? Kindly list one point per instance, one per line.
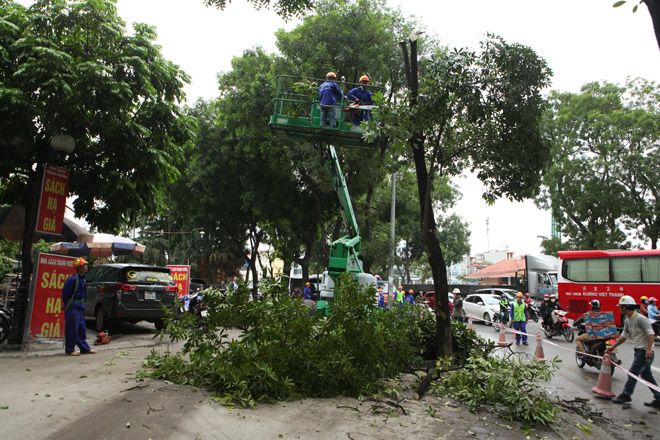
(297, 117)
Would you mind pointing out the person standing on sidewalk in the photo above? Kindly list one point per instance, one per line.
(73, 299)
(519, 318)
(638, 329)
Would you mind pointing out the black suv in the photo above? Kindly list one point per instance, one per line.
(128, 292)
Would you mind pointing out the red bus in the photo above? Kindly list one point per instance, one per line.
(606, 276)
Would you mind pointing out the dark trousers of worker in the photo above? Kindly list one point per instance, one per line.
(641, 367)
(75, 330)
(520, 326)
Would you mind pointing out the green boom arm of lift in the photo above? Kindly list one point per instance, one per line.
(345, 251)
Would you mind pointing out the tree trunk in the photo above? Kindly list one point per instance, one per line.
(427, 218)
(654, 10)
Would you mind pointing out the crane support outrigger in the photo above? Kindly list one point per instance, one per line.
(297, 117)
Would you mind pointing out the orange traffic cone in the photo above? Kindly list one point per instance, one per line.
(604, 386)
(538, 354)
(502, 340)
(470, 326)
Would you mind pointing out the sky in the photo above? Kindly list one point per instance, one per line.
(582, 41)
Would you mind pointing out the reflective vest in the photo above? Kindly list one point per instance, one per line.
(398, 298)
(519, 311)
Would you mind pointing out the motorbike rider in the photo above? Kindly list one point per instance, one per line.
(643, 307)
(546, 310)
(528, 299)
(654, 315)
(504, 308)
(584, 337)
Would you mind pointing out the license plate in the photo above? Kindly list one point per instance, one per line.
(149, 295)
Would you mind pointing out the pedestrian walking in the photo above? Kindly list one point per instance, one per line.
(458, 313)
(73, 299)
(519, 318)
(638, 329)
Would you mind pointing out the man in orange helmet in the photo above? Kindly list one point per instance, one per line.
(361, 96)
(73, 300)
(329, 94)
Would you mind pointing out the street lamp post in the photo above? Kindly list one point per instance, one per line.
(61, 143)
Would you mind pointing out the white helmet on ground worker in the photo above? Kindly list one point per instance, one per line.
(626, 300)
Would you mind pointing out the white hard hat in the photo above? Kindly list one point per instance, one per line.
(626, 300)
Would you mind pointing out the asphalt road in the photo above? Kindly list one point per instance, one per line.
(571, 382)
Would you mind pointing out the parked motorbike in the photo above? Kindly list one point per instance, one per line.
(596, 348)
(559, 326)
(5, 324)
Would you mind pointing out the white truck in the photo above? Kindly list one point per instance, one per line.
(539, 276)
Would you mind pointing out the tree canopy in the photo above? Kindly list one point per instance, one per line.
(602, 185)
(70, 68)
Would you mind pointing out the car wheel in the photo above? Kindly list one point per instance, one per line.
(159, 324)
(100, 321)
(487, 319)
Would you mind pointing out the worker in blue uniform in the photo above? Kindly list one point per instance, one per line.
(329, 94)
(410, 298)
(307, 291)
(73, 301)
(361, 96)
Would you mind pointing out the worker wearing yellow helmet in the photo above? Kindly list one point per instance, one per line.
(307, 291)
(361, 96)
(73, 299)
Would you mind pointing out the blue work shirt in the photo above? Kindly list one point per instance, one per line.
(329, 93)
(410, 299)
(362, 95)
(307, 293)
(78, 295)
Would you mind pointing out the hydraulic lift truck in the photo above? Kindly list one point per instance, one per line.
(297, 117)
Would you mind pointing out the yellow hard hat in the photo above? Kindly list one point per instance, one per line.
(644, 297)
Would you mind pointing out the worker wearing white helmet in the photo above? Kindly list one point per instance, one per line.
(638, 329)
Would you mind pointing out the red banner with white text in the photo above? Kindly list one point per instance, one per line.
(46, 315)
(181, 275)
(54, 189)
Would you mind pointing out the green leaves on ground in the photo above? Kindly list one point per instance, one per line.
(285, 353)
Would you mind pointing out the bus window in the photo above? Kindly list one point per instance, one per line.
(627, 269)
(651, 269)
(592, 269)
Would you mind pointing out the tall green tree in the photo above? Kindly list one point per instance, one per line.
(284, 8)
(602, 186)
(70, 68)
(470, 110)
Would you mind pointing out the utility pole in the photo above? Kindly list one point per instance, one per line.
(390, 276)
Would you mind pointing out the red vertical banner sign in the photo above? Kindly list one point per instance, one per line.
(54, 189)
(181, 275)
(46, 320)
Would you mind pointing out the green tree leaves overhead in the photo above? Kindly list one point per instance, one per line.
(284, 8)
(602, 186)
(69, 67)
